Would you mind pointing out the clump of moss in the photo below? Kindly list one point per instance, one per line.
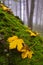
(9, 26)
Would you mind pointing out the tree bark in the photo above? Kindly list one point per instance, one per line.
(27, 10)
(30, 21)
(37, 12)
(16, 8)
(24, 11)
(20, 8)
(3, 2)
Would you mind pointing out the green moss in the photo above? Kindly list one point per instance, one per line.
(9, 26)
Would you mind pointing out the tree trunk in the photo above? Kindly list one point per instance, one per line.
(24, 11)
(16, 8)
(37, 12)
(27, 10)
(20, 8)
(8, 3)
(30, 21)
(3, 2)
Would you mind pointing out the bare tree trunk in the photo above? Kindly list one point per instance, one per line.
(20, 8)
(3, 2)
(27, 10)
(16, 8)
(30, 21)
(37, 12)
(8, 3)
(41, 16)
(24, 11)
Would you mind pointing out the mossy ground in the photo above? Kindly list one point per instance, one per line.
(9, 26)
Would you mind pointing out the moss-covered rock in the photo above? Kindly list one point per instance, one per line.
(9, 26)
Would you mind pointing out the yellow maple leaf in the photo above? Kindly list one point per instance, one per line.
(5, 8)
(23, 50)
(30, 54)
(13, 44)
(25, 47)
(33, 34)
(11, 39)
(26, 54)
(28, 31)
(20, 44)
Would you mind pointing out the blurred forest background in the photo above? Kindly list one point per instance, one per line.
(29, 11)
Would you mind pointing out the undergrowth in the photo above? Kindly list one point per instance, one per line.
(9, 26)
